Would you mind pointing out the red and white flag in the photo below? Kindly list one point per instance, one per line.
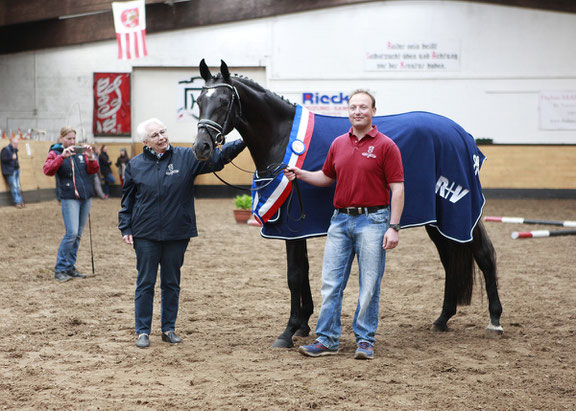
(130, 26)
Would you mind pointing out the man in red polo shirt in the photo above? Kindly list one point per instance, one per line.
(366, 166)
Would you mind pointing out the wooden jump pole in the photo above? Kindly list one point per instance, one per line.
(520, 220)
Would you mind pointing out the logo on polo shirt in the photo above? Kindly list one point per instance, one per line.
(370, 153)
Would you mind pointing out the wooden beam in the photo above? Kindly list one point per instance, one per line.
(564, 6)
(44, 30)
(160, 16)
(19, 11)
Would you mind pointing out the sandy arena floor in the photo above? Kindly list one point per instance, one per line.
(71, 345)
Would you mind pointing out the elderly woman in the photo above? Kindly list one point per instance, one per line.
(72, 166)
(158, 219)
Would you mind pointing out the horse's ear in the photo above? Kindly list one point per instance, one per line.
(205, 71)
(224, 70)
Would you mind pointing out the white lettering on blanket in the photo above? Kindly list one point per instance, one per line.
(444, 191)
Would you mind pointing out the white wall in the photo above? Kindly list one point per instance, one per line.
(507, 56)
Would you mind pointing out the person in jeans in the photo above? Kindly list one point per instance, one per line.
(73, 167)
(366, 166)
(11, 171)
(158, 219)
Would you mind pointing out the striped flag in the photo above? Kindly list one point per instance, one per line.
(130, 26)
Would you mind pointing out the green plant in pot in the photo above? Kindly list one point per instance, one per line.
(243, 210)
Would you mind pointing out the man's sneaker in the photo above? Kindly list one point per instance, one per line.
(316, 349)
(365, 351)
(61, 276)
(74, 273)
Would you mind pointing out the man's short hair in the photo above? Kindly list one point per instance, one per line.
(363, 91)
(142, 128)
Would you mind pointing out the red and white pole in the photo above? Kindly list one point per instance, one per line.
(520, 220)
(541, 234)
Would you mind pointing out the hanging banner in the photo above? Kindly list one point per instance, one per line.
(130, 26)
(112, 104)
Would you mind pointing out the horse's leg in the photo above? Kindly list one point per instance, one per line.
(301, 304)
(485, 257)
(458, 263)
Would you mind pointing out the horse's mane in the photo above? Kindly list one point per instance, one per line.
(256, 86)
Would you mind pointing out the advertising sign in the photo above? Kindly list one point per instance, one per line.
(112, 104)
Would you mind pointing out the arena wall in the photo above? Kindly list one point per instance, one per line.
(527, 171)
(505, 59)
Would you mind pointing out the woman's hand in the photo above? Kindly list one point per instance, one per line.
(68, 151)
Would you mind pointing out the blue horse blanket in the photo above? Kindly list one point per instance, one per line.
(441, 165)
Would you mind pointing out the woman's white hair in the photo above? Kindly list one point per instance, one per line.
(142, 128)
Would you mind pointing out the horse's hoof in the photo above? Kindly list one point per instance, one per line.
(302, 332)
(439, 328)
(282, 343)
(494, 331)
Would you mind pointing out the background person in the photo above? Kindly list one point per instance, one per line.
(96, 179)
(121, 163)
(11, 170)
(366, 166)
(73, 173)
(158, 219)
(105, 170)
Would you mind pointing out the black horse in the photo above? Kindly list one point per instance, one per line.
(264, 121)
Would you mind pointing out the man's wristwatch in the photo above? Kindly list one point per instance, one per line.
(395, 226)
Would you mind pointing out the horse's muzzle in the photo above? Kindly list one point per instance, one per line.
(202, 147)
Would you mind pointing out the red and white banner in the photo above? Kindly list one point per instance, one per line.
(111, 104)
(130, 26)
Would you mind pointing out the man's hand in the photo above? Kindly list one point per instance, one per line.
(391, 239)
(128, 239)
(291, 173)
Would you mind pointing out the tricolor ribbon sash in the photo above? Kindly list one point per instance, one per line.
(268, 200)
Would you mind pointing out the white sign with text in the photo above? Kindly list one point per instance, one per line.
(414, 56)
(558, 110)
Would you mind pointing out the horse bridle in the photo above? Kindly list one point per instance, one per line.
(225, 128)
(222, 130)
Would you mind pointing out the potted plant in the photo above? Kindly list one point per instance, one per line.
(243, 210)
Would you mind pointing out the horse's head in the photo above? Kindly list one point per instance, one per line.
(220, 107)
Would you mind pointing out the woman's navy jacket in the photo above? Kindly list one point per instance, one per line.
(62, 168)
(158, 194)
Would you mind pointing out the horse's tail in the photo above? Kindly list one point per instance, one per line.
(460, 273)
(458, 262)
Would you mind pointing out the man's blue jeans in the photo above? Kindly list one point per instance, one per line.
(14, 183)
(75, 214)
(170, 256)
(350, 236)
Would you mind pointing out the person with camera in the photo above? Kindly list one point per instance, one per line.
(73, 167)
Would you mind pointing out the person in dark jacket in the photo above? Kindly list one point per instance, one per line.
(11, 170)
(121, 163)
(158, 218)
(105, 170)
(72, 167)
